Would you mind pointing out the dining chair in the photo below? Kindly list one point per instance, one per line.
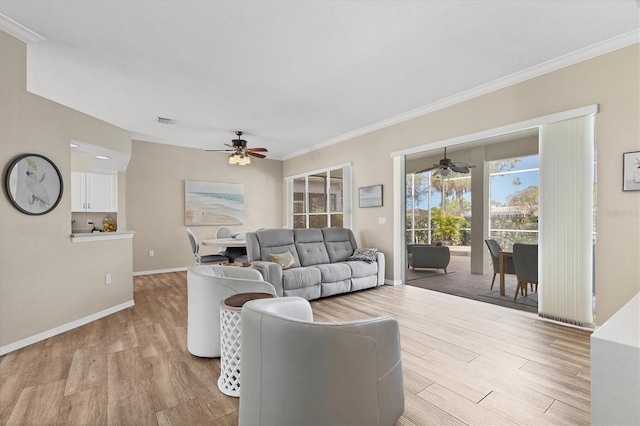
(525, 260)
(235, 254)
(494, 250)
(207, 259)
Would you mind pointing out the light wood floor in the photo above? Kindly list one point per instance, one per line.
(464, 362)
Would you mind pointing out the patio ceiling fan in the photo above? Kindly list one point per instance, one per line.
(240, 151)
(445, 167)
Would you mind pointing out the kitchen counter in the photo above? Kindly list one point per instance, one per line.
(82, 237)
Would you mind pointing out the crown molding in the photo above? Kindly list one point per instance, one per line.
(20, 32)
(573, 58)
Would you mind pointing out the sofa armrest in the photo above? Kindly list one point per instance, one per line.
(381, 268)
(271, 272)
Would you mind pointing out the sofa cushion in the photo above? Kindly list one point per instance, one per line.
(285, 260)
(334, 272)
(305, 276)
(362, 269)
(310, 246)
(276, 241)
(329, 289)
(340, 243)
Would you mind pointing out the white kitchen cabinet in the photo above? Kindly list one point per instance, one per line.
(94, 192)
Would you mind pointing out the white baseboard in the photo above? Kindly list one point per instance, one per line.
(159, 271)
(65, 327)
(392, 282)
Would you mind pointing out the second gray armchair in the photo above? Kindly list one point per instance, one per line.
(299, 372)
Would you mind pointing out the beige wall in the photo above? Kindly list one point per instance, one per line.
(610, 80)
(155, 199)
(46, 281)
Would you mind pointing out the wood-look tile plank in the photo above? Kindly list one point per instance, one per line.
(88, 369)
(516, 408)
(126, 375)
(420, 412)
(52, 364)
(38, 405)
(135, 410)
(85, 407)
(95, 333)
(196, 411)
(152, 340)
(10, 389)
(461, 408)
(561, 413)
(122, 335)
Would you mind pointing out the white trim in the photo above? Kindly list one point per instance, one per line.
(324, 170)
(19, 31)
(573, 58)
(160, 271)
(63, 328)
(503, 130)
(101, 236)
(392, 282)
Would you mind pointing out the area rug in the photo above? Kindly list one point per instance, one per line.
(427, 273)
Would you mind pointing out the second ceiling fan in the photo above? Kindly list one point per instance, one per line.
(445, 167)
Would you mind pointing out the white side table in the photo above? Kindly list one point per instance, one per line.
(230, 340)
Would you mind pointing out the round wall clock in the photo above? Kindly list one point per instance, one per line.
(33, 184)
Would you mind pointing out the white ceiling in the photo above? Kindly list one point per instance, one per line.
(296, 75)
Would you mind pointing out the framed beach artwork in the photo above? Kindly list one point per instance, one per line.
(211, 203)
(631, 171)
(33, 184)
(370, 196)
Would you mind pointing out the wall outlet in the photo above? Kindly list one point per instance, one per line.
(89, 221)
(152, 253)
(107, 279)
(382, 220)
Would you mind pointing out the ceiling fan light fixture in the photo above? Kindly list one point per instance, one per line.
(239, 159)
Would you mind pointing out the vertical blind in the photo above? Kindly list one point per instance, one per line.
(566, 220)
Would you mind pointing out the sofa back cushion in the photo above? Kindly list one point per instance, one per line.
(310, 247)
(340, 243)
(276, 241)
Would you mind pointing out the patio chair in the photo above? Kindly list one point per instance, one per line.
(525, 260)
(494, 250)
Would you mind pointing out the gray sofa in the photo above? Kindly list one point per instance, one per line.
(321, 258)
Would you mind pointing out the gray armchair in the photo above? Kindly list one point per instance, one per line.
(426, 256)
(525, 260)
(494, 250)
(299, 372)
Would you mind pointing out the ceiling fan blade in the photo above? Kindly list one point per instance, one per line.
(254, 154)
(257, 150)
(219, 150)
(458, 168)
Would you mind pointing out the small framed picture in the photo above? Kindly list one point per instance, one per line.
(370, 196)
(631, 171)
(33, 184)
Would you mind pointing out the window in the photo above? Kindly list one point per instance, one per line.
(513, 193)
(320, 199)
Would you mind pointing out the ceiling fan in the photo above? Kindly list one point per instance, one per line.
(445, 167)
(240, 151)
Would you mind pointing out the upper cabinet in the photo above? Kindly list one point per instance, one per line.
(94, 192)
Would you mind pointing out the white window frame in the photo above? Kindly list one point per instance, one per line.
(347, 201)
